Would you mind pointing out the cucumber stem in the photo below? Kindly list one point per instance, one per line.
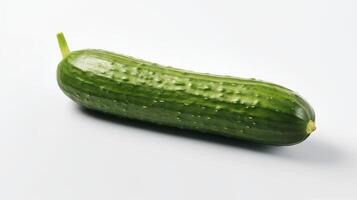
(310, 127)
(63, 44)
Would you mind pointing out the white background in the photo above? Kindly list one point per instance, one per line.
(52, 149)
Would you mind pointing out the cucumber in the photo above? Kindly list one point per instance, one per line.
(245, 109)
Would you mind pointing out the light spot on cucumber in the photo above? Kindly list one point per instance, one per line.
(255, 102)
(220, 95)
(179, 89)
(134, 72)
(220, 89)
(204, 87)
(147, 77)
(218, 107)
(141, 81)
(235, 99)
(124, 78)
(158, 80)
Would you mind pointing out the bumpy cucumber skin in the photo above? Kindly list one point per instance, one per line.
(233, 107)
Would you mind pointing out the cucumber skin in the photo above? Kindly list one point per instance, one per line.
(238, 108)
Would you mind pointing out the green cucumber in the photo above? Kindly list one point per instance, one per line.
(244, 109)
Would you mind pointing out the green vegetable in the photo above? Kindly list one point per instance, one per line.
(238, 108)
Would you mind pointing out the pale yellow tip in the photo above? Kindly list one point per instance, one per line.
(310, 127)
